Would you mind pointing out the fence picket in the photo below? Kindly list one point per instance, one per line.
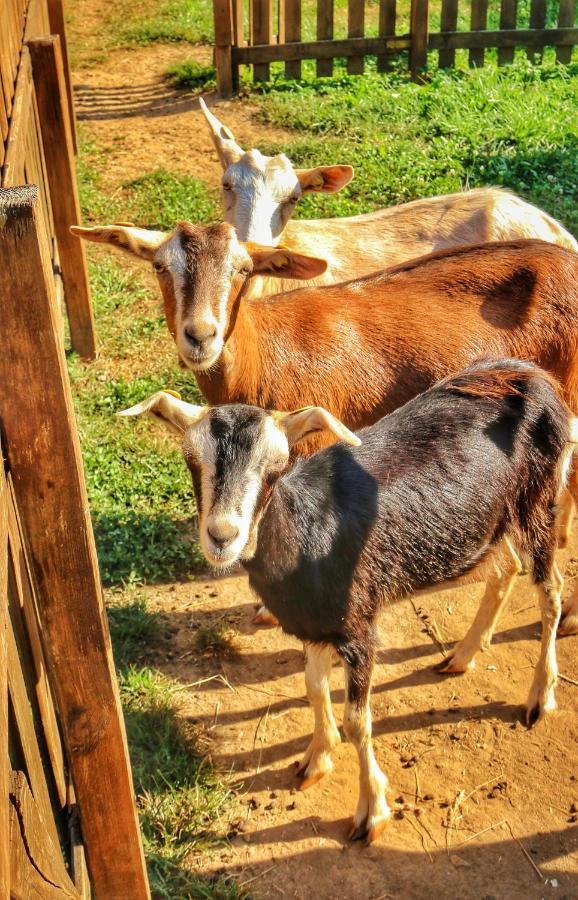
(324, 33)
(387, 16)
(261, 33)
(4, 760)
(292, 10)
(419, 36)
(355, 29)
(478, 23)
(566, 18)
(449, 21)
(507, 20)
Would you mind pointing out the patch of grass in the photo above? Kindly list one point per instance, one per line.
(190, 74)
(218, 640)
(515, 126)
(170, 21)
(160, 199)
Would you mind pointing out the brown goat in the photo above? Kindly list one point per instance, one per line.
(363, 348)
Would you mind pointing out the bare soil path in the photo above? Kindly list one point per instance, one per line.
(484, 808)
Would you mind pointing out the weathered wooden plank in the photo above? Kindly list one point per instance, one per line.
(462, 40)
(13, 168)
(77, 857)
(508, 12)
(324, 33)
(537, 22)
(20, 705)
(478, 23)
(448, 22)
(58, 26)
(43, 853)
(26, 882)
(59, 155)
(292, 12)
(4, 760)
(387, 16)
(566, 19)
(29, 612)
(46, 465)
(355, 29)
(419, 36)
(321, 49)
(262, 33)
(226, 72)
(239, 23)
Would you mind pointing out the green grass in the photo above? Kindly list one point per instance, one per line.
(183, 803)
(515, 126)
(191, 74)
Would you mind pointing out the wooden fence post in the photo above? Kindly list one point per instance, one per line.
(387, 13)
(566, 17)
(52, 101)
(479, 22)
(57, 26)
(419, 31)
(4, 771)
(261, 33)
(324, 33)
(226, 73)
(43, 452)
(356, 28)
(292, 11)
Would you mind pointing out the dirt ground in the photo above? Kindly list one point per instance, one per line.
(484, 808)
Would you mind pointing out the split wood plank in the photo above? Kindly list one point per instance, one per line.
(13, 168)
(507, 20)
(292, 11)
(25, 593)
(43, 452)
(4, 759)
(387, 16)
(45, 856)
(448, 22)
(325, 14)
(478, 23)
(419, 36)
(566, 18)
(356, 29)
(262, 33)
(59, 155)
(227, 73)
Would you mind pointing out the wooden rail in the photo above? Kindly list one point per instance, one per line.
(265, 48)
(55, 655)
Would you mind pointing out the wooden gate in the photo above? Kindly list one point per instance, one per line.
(37, 146)
(65, 779)
(235, 19)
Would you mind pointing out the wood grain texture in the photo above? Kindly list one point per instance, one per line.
(50, 87)
(45, 856)
(325, 14)
(387, 16)
(4, 761)
(448, 22)
(355, 29)
(44, 456)
(478, 23)
(292, 16)
(223, 16)
(321, 49)
(13, 168)
(262, 33)
(57, 26)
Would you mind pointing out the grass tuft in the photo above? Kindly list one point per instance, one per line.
(190, 74)
(217, 640)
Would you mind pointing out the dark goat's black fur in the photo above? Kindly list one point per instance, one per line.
(433, 486)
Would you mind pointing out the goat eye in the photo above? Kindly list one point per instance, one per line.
(246, 270)
(227, 186)
(159, 267)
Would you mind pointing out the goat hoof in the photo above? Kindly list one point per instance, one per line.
(568, 624)
(375, 831)
(451, 666)
(537, 710)
(366, 831)
(358, 832)
(310, 780)
(264, 617)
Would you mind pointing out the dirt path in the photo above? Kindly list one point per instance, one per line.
(455, 742)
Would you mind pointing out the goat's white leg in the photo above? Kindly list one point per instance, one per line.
(479, 636)
(566, 507)
(317, 760)
(569, 620)
(541, 698)
(373, 812)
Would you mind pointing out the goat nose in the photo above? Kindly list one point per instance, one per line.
(197, 334)
(223, 535)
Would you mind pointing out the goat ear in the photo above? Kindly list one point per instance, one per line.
(302, 422)
(168, 406)
(136, 241)
(226, 146)
(284, 263)
(324, 179)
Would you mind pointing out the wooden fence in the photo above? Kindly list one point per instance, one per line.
(266, 44)
(37, 146)
(65, 779)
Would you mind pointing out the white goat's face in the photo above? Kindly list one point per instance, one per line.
(196, 267)
(260, 194)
